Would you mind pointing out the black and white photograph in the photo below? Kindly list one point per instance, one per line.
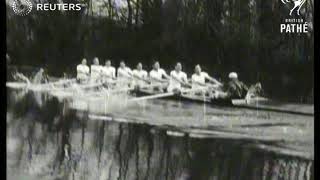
(160, 89)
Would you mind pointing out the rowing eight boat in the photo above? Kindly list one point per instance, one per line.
(55, 88)
(256, 103)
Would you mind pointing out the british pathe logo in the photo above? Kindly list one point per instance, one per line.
(297, 5)
(22, 7)
(297, 23)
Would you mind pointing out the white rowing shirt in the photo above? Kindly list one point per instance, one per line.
(108, 72)
(174, 84)
(124, 72)
(200, 78)
(124, 76)
(82, 71)
(157, 74)
(96, 71)
(141, 74)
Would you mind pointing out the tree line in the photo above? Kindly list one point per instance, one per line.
(222, 36)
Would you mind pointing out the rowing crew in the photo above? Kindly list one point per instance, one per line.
(160, 80)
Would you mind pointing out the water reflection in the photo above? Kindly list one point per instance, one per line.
(47, 139)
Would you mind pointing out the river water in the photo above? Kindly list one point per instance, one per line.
(50, 138)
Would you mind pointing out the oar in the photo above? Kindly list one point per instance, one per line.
(58, 82)
(47, 86)
(247, 101)
(126, 89)
(242, 103)
(162, 95)
(85, 86)
(63, 81)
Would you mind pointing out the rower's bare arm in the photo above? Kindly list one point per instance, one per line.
(186, 82)
(141, 78)
(166, 75)
(199, 83)
(183, 81)
(124, 74)
(158, 80)
(213, 80)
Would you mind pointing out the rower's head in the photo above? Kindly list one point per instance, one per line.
(95, 61)
(233, 76)
(84, 61)
(122, 64)
(197, 69)
(156, 65)
(139, 66)
(178, 67)
(108, 62)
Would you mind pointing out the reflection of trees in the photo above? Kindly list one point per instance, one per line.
(83, 149)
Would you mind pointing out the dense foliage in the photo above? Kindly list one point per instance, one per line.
(222, 36)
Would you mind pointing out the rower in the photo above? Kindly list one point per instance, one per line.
(83, 71)
(124, 74)
(158, 75)
(40, 77)
(108, 72)
(178, 78)
(199, 78)
(95, 70)
(140, 76)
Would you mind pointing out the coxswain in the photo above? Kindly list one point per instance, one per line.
(96, 70)
(124, 74)
(199, 78)
(236, 89)
(178, 79)
(140, 75)
(83, 72)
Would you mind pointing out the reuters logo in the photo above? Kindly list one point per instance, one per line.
(22, 7)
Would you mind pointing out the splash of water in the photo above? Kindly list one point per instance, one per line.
(38, 77)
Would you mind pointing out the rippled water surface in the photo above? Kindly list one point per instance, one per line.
(109, 138)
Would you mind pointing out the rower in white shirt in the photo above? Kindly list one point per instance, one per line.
(83, 71)
(96, 70)
(158, 76)
(199, 80)
(140, 76)
(124, 75)
(108, 72)
(178, 78)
